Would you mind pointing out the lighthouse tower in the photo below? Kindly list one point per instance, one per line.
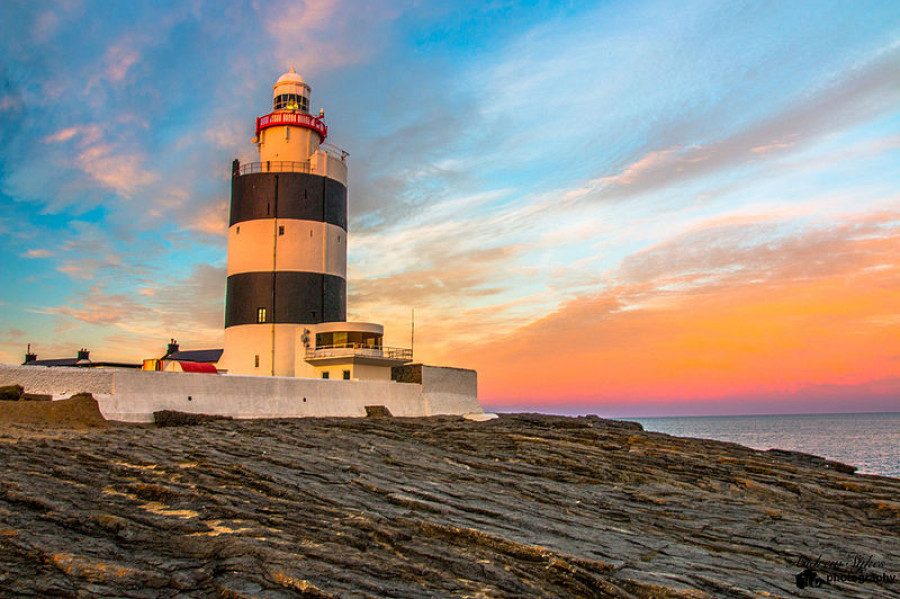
(287, 238)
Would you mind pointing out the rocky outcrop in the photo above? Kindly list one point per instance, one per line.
(11, 392)
(520, 506)
(175, 418)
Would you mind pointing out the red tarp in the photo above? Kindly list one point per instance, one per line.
(198, 367)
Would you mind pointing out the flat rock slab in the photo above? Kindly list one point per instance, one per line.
(521, 506)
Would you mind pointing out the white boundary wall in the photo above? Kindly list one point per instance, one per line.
(449, 390)
(133, 395)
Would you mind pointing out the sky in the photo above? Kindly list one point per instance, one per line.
(625, 208)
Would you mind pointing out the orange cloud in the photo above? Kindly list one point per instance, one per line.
(822, 310)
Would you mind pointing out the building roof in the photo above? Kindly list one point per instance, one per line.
(196, 355)
(80, 362)
(56, 362)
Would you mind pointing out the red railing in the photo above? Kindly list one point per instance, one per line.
(292, 118)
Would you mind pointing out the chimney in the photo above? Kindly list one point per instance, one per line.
(84, 354)
(173, 347)
(29, 357)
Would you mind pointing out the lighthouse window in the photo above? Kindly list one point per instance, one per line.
(260, 315)
(281, 229)
(291, 102)
(256, 360)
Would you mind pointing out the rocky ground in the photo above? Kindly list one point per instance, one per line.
(521, 506)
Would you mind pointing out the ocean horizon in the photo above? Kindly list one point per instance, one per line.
(868, 440)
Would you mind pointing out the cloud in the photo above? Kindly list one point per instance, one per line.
(320, 35)
(89, 134)
(37, 253)
(119, 61)
(126, 325)
(716, 314)
(98, 307)
(110, 164)
(212, 220)
(10, 103)
(45, 25)
(858, 96)
(123, 173)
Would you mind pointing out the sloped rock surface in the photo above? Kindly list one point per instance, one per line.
(522, 506)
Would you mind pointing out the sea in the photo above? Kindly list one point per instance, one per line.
(871, 442)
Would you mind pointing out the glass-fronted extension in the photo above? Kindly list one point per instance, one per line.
(351, 349)
(360, 339)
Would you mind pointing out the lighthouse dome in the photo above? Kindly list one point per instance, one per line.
(291, 92)
(291, 77)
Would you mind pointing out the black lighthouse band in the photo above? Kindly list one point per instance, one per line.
(288, 195)
(285, 297)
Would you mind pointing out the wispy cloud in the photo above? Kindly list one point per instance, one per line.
(119, 61)
(860, 95)
(110, 164)
(319, 35)
(189, 307)
(37, 253)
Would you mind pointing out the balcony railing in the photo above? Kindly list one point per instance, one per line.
(355, 350)
(273, 166)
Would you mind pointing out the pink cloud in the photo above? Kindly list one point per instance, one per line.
(37, 253)
(112, 165)
(318, 35)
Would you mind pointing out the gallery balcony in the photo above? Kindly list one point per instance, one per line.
(385, 356)
(327, 161)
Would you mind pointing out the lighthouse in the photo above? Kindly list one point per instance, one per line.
(286, 298)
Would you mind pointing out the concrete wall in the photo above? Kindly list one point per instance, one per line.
(368, 372)
(61, 382)
(137, 396)
(329, 166)
(133, 395)
(449, 390)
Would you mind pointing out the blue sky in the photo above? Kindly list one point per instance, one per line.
(512, 165)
